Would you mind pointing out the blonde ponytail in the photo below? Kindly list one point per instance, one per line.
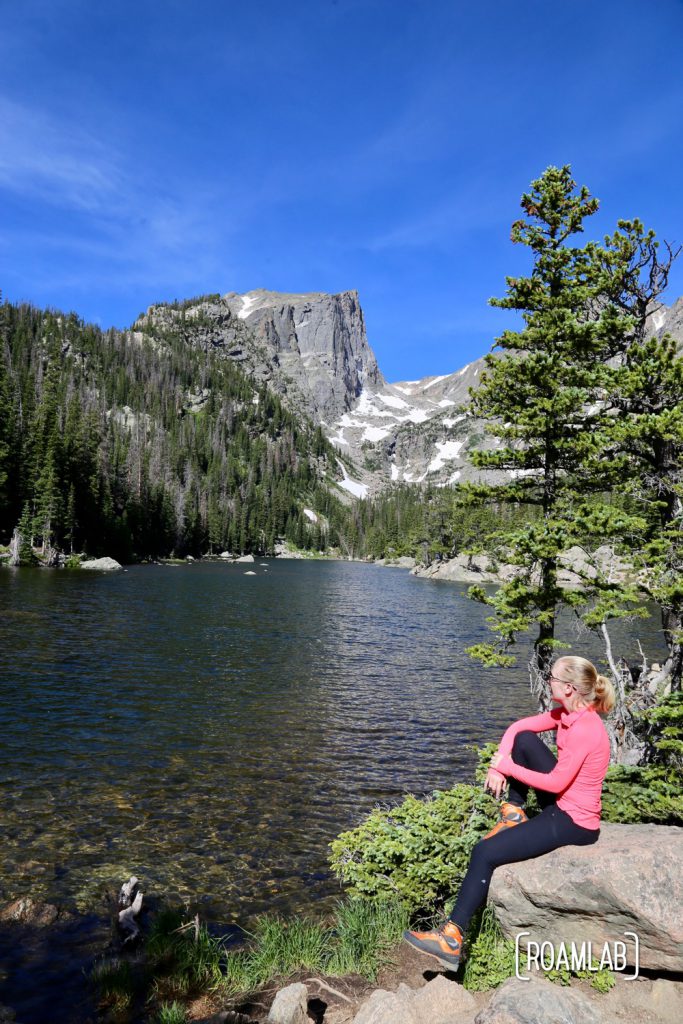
(594, 689)
(604, 695)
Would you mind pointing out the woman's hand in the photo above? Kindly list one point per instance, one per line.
(495, 782)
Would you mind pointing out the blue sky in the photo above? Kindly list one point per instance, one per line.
(158, 150)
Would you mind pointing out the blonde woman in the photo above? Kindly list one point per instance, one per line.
(568, 789)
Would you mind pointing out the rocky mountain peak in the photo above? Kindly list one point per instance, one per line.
(319, 341)
(312, 348)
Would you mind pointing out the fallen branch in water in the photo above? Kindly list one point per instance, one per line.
(132, 906)
(194, 923)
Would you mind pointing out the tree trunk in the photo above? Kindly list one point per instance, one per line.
(15, 547)
(51, 556)
(539, 671)
(673, 634)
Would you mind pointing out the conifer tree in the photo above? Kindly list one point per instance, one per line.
(648, 437)
(546, 396)
(25, 527)
(644, 438)
(6, 429)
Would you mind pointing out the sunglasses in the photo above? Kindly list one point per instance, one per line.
(557, 679)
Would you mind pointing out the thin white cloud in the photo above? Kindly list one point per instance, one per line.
(125, 225)
(57, 163)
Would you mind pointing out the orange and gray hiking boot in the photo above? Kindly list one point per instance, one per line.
(510, 815)
(445, 943)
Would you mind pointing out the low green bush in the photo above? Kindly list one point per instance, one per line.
(417, 852)
(642, 794)
(665, 723)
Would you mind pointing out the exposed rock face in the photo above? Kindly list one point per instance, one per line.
(629, 881)
(537, 1002)
(438, 1002)
(311, 349)
(668, 320)
(318, 341)
(414, 431)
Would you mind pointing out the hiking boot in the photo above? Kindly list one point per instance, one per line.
(510, 815)
(445, 943)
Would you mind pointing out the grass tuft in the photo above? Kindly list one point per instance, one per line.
(491, 959)
(187, 958)
(365, 934)
(171, 1013)
(114, 982)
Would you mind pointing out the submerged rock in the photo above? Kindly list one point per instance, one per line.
(29, 911)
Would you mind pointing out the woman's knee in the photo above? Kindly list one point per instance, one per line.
(481, 854)
(523, 740)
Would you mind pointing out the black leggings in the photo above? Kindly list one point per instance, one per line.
(547, 831)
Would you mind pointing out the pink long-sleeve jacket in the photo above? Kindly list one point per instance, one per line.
(582, 760)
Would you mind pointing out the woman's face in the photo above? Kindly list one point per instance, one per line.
(561, 689)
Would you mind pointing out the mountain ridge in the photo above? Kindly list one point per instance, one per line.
(312, 349)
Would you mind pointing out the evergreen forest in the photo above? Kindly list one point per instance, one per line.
(148, 448)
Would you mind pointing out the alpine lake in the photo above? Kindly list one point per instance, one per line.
(212, 731)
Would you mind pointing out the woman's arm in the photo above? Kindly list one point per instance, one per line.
(565, 771)
(536, 723)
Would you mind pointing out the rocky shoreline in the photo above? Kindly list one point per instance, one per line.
(577, 565)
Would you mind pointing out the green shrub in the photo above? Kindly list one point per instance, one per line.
(491, 957)
(642, 794)
(417, 852)
(665, 721)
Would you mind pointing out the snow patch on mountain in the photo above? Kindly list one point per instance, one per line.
(446, 451)
(352, 486)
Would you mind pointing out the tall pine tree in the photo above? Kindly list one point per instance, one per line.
(548, 396)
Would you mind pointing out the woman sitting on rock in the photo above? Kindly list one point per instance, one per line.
(568, 789)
